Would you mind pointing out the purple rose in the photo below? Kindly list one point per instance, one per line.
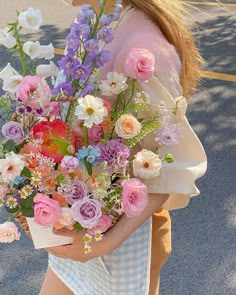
(78, 191)
(70, 163)
(114, 152)
(14, 131)
(87, 212)
(94, 134)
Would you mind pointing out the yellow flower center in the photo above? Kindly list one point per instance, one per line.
(90, 111)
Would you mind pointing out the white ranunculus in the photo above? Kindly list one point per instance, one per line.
(11, 167)
(7, 38)
(35, 50)
(45, 71)
(90, 109)
(146, 164)
(11, 84)
(7, 72)
(115, 84)
(181, 107)
(30, 19)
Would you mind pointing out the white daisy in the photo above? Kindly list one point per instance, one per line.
(11, 202)
(98, 235)
(115, 84)
(87, 238)
(87, 249)
(90, 109)
(1, 202)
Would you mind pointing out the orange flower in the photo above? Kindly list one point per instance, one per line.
(59, 198)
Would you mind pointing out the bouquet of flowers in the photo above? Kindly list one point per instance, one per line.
(68, 157)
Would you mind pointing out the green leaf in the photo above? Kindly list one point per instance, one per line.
(9, 146)
(13, 210)
(88, 167)
(135, 107)
(26, 172)
(28, 212)
(27, 204)
(62, 145)
(78, 227)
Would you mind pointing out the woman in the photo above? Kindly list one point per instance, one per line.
(120, 262)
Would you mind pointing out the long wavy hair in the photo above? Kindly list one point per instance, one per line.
(169, 16)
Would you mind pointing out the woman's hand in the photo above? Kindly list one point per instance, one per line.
(75, 251)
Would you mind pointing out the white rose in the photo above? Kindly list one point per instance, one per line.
(7, 38)
(8, 232)
(146, 164)
(7, 72)
(30, 19)
(181, 107)
(127, 126)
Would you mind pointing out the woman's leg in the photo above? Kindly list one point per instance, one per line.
(161, 247)
(52, 285)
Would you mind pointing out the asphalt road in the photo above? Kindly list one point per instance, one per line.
(203, 261)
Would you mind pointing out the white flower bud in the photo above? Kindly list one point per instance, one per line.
(30, 19)
(7, 38)
(11, 84)
(35, 50)
(7, 72)
(46, 51)
(45, 71)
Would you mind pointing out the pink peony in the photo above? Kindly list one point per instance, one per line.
(140, 64)
(33, 91)
(103, 225)
(8, 232)
(94, 134)
(46, 210)
(87, 212)
(134, 196)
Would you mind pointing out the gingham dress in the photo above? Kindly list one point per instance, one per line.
(123, 272)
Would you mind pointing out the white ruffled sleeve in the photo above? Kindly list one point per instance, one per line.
(178, 178)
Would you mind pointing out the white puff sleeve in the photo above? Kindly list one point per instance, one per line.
(178, 178)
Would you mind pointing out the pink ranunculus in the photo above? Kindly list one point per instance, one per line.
(87, 212)
(13, 130)
(107, 105)
(94, 134)
(134, 196)
(46, 210)
(103, 225)
(9, 232)
(34, 92)
(70, 164)
(140, 64)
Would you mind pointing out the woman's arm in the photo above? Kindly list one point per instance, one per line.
(112, 239)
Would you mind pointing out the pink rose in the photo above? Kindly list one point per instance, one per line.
(33, 90)
(94, 134)
(46, 210)
(70, 164)
(134, 196)
(104, 223)
(87, 212)
(8, 232)
(140, 64)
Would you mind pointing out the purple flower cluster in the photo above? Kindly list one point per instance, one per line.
(83, 52)
(168, 135)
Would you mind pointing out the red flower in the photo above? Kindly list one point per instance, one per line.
(46, 130)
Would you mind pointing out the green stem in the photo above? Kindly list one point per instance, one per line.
(19, 48)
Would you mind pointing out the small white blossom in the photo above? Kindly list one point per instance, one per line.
(87, 249)
(98, 235)
(45, 71)
(115, 84)
(181, 107)
(7, 72)
(11, 167)
(36, 51)
(7, 39)
(30, 19)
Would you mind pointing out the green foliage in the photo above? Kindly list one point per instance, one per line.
(77, 227)
(27, 205)
(62, 145)
(88, 167)
(26, 172)
(9, 146)
(135, 107)
(12, 210)
(6, 108)
(148, 127)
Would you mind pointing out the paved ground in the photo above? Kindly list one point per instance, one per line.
(204, 241)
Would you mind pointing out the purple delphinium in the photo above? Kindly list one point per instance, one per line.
(105, 34)
(89, 88)
(67, 89)
(73, 42)
(114, 152)
(105, 20)
(67, 63)
(168, 135)
(91, 45)
(81, 30)
(80, 72)
(102, 57)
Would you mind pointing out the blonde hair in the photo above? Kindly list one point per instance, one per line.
(169, 15)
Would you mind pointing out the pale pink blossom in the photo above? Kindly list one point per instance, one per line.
(103, 225)
(140, 64)
(134, 197)
(11, 166)
(127, 126)
(9, 232)
(70, 164)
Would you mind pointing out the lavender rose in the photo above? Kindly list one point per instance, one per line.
(13, 130)
(87, 212)
(79, 191)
